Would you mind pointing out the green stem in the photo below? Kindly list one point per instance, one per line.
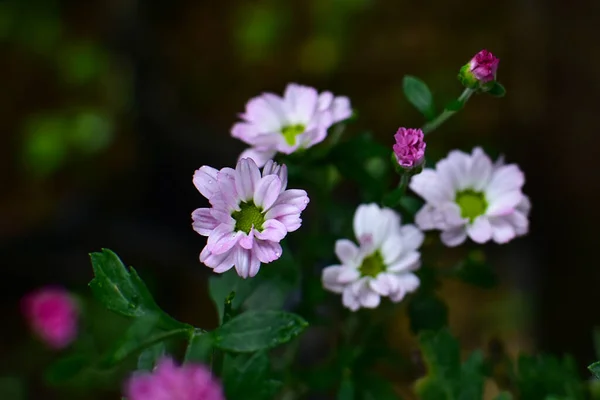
(440, 119)
(218, 355)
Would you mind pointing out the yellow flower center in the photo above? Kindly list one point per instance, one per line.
(248, 216)
(472, 204)
(291, 131)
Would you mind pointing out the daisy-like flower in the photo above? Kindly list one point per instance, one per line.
(298, 120)
(251, 212)
(468, 196)
(382, 263)
(53, 314)
(171, 382)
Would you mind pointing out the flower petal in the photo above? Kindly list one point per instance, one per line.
(246, 263)
(454, 236)
(391, 249)
(266, 112)
(412, 237)
(267, 191)
(349, 300)
(431, 187)
(226, 180)
(325, 100)
(505, 203)
(267, 251)
(454, 169)
(246, 178)
(302, 102)
(272, 168)
(272, 230)
(259, 155)
(295, 197)
(292, 222)
(205, 180)
(384, 284)
(507, 178)
(222, 239)
(247, 240)
(346, 252)
(480, 169)
(407, 262)
(203, 221)
(341, 109)
(502, 230)
(481, 230)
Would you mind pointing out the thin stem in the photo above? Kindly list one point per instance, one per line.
(440, 119)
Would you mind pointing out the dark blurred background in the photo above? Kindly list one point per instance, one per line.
(108, 107)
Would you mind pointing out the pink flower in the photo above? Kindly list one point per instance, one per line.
(484, 66)
(297, 120)
(171, 382)
(52, 313)
(409, 147)
(251, 212)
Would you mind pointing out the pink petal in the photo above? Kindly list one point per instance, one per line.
(346, 251)
(302, 102)
(481, 169)
(481, 230)
(267, 251)
(273, 230)
(203, 221)
(222, 239)
(291, 222)
(267, 191)
(295, 197)
(246, 178)
(384, 284)
(259, 155)
(247, 241)
(454, 236)
(226, 180)
(325, 100)
(205, 180)
(502, 230)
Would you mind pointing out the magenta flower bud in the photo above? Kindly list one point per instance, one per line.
(410, 147)
(480, 70)
(52, 313)
(169, 381)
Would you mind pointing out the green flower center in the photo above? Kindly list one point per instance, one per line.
(291, 131)
(472, 204)
(248, 216)
(372, 265)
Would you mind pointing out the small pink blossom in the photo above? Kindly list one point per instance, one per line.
(171, 382)
(53, 314)
(484, 66)
(251, 212)
(410, 147)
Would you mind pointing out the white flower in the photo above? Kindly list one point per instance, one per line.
(381, 265)
(467, 195)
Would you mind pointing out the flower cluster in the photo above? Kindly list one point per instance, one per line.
(251, 212)
(53, 315)
(171, 382)
(410, 147)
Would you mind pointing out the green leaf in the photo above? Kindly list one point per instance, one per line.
(595, 369)
(144, 332)
(410, 204)
(246, 376)
(503, 396)
(541, 376)
(376, 388)
(393, 198)
(221, 286)
(497, 90)
(472, 377)
(258, 330)
(419, 95)
(427, 312)
(12, 388)
(200, 347)
(120, 290)
(148, 357)
(66, 368)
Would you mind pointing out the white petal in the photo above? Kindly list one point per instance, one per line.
(407, 283)
(507, 178)
(349, 300)
(341, 109)
(302, 101)
(524, 206)
(480, 169)
(368, 298)
(429, 186)
(226, 181)
(346, 251)
(407, 262)
(505, 203)
(266, 112)
(519, 222)
(369, 225)
(242, 259)
(267, 251)
(443, 217)
(222, 239)
(296, 197)
(454, 169)
(325, 100)
(267, 191)
(329, 279)
(480, 231)
(392, 248)
(412, 237)
(246, 178)
(218, 262)
(260, 156)
(384, 284)
(502, 230)
(205, 180)
(454, 236)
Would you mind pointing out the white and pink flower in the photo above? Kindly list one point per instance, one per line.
(381, 265)
(468, 196)
(298, 120)
(250, 213)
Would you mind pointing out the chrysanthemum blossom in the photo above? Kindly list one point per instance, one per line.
(251, 212)
(410, 147)
(298, 120)
(53, 314)
(171, 382)
(381, 265)
(468, 196)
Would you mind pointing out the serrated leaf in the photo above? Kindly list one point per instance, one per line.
(419, 95)
(144, 332)
(200, 347)
(118, 289)
(258, 330)
(497, 90)
(149, 357)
